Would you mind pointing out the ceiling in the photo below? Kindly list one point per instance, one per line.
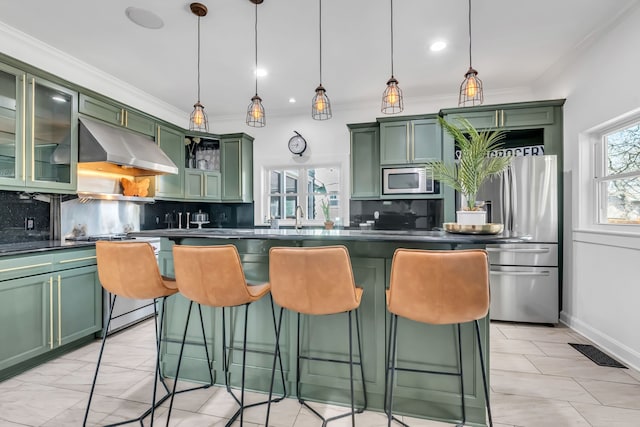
(514, 43)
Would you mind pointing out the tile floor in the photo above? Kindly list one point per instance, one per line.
(536, 380)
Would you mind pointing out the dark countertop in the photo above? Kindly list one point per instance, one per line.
(10, 249)
(329, 235)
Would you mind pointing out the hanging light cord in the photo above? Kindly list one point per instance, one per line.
(198, 58)
(320, 26)
(470, 34)
(256, 44)
(391, 38)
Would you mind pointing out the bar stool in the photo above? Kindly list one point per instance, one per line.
(438, 288)
(222, 284)
(130, 270)
(316, 281)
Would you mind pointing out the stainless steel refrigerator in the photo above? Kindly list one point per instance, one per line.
(524, 277)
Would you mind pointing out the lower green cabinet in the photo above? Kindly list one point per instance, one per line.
(42, 313)
(25, 312)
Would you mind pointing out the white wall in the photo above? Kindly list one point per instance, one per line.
(600, 287)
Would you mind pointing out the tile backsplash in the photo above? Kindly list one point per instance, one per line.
(410, 214)
(23, 217)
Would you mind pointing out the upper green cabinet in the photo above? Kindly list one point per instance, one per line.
(202, 185)
(171, 141)
(410, 141)
(38, 133)
(117, 115)
(236, 165)
(365, 161)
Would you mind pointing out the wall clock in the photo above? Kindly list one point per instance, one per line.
(297, 144)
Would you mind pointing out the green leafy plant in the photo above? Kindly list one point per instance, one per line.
(324, 204)
(476, 164)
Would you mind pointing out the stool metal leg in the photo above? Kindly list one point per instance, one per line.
(353, 415)
(95, 376)
(364, 384)
(276, 354)
(391, 368)
(484, 373)
(175, 383)
(464, 411)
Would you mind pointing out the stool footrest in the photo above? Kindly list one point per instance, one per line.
(426, 371)
(320, 359)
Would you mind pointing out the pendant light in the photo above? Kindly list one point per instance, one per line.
(471, 88)
(392, 101)
(198, 120)
(320, 105)
(255, 112)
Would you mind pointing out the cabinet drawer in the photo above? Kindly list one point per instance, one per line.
(73, 258)
(534, 254)
(14, 267)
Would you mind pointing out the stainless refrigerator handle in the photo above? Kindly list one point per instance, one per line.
(520, 273)
(528, 251)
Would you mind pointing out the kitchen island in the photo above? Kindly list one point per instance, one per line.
(421, 346)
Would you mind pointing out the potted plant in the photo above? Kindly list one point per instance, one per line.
(324, 204)
(472, 167)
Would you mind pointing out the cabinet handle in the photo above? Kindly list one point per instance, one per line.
(126, 118)
(23, 175)
(33, 127)
(502, 117)
(496, 119)
(24, 267)
(413, 142)
(408, 135)
(514, 250)
(64, 261)
(543, 273)
(59, 313)
(51, 312)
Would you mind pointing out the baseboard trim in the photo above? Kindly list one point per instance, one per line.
(626, 355)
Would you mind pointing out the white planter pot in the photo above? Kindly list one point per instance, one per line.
(471, 217)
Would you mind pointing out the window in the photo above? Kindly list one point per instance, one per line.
(617, 175)
(310, 188)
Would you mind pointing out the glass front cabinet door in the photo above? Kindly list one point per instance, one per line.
(38, 133)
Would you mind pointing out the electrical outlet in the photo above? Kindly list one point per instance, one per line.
(29, 223)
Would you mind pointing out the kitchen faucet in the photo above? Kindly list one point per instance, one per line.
(299, 215)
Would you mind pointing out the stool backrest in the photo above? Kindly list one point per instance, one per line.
(130, 269)
(314, 280)
(439, 287)
(210, 275)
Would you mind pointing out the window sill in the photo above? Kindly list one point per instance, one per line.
(621, 239)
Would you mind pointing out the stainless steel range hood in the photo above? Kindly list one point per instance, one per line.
(111, 149)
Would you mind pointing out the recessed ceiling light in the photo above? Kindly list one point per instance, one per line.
(144, 18)
(292, 100)
(438, 46)
(261, 72)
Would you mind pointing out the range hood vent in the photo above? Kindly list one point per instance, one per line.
(102, 146)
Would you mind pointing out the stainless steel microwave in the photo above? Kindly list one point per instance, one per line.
(407, 180)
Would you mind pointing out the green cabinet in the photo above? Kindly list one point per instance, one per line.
(171, 141)
(117, 115)
(417, 140)
(46, 302)
(365, 161)
(38, 124)
(506, 116)
(236, 165)
(201, 185)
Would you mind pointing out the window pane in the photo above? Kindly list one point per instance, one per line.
(275, 210)
(622, 201)
(291, 182)
(623, 150)
(290, 206)
(275, 183)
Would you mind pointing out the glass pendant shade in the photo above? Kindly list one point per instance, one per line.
(320, 105)
(471, 90)
(392, 101)
(198, 120)
(255, 113)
